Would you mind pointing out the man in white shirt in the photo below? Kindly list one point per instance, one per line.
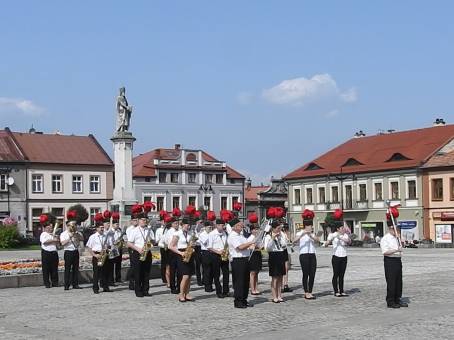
(96, 244)
(109, 233)
(49, 254)
(217, 243)
(174, 277)
(239, 252)
(206, 258)
(129, 274)
(197, 253)
(117, 249)
(162, 248)
(70, 240)
(391, 249)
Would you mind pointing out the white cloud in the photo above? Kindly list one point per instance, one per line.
(300, 91)
(19, 106)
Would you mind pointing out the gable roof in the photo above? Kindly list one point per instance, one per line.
(59, 149)
(143, 164)
(377, 153)
(9, 150)
(251, 193)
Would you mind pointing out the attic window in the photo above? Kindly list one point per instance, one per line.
(312, 166)
(191, 157)
(398, 157)
(351, 162)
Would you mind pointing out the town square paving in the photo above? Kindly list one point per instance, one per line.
(39, 313)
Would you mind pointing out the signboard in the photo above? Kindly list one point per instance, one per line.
(368, 225)
(447, 216)
(408, 230)
(443, 233)
(406, 224)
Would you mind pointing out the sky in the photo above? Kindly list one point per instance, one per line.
(264, 85)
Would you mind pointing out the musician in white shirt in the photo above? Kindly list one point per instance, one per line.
(162, 248)
(139, 239)
(49, 254)
(217, 243)
(96, 244)
(129, 274)
(255, 261)
(117, 252)
(206, 257)
(172, 273)
(391, 249)
(70, 240)
(276, 262)
(286, 245)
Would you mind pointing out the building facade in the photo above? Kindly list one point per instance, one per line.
(180, 177)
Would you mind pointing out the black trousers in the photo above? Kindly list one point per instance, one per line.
(71, 258)
(175, 277)
(393, 275)
(116, 268)
(100, 275)
(198, 263)
(129, 274)
(218, 267)
(49, 266)
(240, 279)
(339, 267)
(141, 271)
(108, 267)
(309, 267)
(207, 269)
(164, 262)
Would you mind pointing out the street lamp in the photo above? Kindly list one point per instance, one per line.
(342, 178)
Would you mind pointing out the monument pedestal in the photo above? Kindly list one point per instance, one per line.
(123, 195)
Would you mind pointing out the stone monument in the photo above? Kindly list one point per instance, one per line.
(123, 140)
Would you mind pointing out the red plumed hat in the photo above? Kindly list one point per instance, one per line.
(190, 210)
(43, 219)
(271, 212)
(99, 218)
(71, 215)
(197, 214)
(106, 214)
(237, 206)
(136, 209)
(211, 216)
(338, 214)
(253, 218)
(176, 212)
(163, 214)
(148, 206)
(116, 216)
(308, 214)
(280, 212)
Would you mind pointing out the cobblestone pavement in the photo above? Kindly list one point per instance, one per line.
(39, 313)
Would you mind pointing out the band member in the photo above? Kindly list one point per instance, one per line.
(117, 250)
(285, 245)
(129, 230)
(198, 253)
(160, 233)
(391, 249)
(255, 261)
(182, 240)
(276, 259)
(239, 253)
(70, 240)
(308, 259)
(109, 233)
(207, 258)
(174, 275)
(97, 248)
(140, 241)
(218, 247)
(49, 254)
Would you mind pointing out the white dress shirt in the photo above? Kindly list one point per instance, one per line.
(235, 240)
(160, 236)
(44, 237)
(96, 242)
(389, 242)
(273, 245)
(140, 235)
(307, 245)
(183, 238)
(203, 240)
(129, 231)
(217, 240)
(72, 244)
(340, 243)
(168, 236)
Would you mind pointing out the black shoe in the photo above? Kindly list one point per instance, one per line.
(174, 291)
(77, 287)
(403, 304)
(131, 288)
(239, 305)
(146, 294)
(55, 285)
(95, 291)
(118, 281)
(139, 295)
(226, 294)
(287, 289)
(394, 305)
(47, 286)
(209, 290)
(107, 290)
(112, 284)
(66, 288)
(221, 296)
(247, 304)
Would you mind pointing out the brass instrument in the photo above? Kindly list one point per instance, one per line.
(54, 234)
(103, 257)
(189, 249)
(146, 247)
(225, 252)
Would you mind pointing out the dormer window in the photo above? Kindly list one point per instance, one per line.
(313, 166)
(352, 162)
(398, 157)
(191, 157)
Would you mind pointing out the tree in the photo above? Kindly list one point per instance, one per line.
(81, 213)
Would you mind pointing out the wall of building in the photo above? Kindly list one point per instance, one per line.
(16, 196)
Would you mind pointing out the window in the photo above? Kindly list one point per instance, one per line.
(321, 195)
(191, 200)
(59, 214)
(297, 196)
(207, 202)
(378, 187)
(235, 199)
(3, 184)
(208, 179)
(437, 189)
(174, 177)
(451, 183)
(162, 177)
(394, 190)
(219, 178)
(147, 198)
(147, 179)
(192, 177)
(335, 194)
(362, 192)
(223, 202)
(93, 212)
(175, 202)
(95, 184)
(37, 183)
(160, 203)
(411, 189)
(309, 196)
(77, 184)
(57, 181)
(348, 197)
(36, 213)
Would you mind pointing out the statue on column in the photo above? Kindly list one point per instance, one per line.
(123, 112)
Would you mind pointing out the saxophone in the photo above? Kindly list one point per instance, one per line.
(189, 249)
(103, 257)
(225, 252)
(146, 247)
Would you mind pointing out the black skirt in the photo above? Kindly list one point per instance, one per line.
(285, 255)
(185, 268)
(255, 263)
(276, 263)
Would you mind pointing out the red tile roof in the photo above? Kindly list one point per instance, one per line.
(60, 149)
(374, 153)
(143, 165)
(251, 193)
(440, 160)
(9, 151)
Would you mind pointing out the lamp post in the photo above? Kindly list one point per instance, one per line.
(206, 188)
(341, 177)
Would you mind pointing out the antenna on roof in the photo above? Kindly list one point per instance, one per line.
(439, 122)
(32, 130)
(359, 134)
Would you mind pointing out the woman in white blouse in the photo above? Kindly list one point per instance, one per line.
(276, 261)
(340, 240)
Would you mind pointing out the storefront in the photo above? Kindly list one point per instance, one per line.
(409, 230)
(444, 227)
(370, 230)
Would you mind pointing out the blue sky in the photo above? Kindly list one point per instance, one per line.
(263, 85)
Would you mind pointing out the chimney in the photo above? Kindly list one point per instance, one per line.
(439, 122)
(248, 184)
(177, 146)
(390, 130)
(360, 134)
(32, 130)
